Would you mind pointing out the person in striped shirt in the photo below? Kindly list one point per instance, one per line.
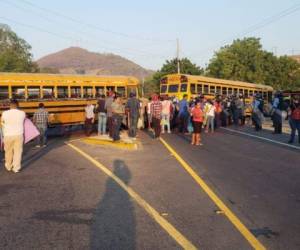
(156, 110)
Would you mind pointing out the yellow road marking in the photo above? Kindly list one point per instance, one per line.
(167, 226)
(230, 215)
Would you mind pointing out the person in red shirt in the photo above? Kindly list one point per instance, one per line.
(197, 114)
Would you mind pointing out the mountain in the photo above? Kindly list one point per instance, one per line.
(297, 58)
(75, 60)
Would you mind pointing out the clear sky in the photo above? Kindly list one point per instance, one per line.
(146, 31)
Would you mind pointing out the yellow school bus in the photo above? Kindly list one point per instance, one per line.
(178, 85)
(64, 96)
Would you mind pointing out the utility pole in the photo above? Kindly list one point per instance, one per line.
(177, 55)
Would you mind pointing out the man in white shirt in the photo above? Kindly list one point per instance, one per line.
(165, 113)
(89, 118)
(12, 122)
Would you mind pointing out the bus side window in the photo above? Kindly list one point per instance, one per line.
(193, 88)
(235, 91)
(241, 91)
(224, 91)
(62, 92)
(218, 91)
(48, 92)
(100, 91)
(265, 96)
(229, 91)
(33, 92)
(18, 92)
(212, 89)
(75, 92)
(250, 92)
(87, 92)
(205, 90)
(246, 93)
(110, 88)
(199, 88)
(121, 91)
(4, 92)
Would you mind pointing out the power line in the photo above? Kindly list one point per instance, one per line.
(92, 26)
(77, 31)
(260, 24)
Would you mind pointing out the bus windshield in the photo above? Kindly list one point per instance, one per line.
(173, 88)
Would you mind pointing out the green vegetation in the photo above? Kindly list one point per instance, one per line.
(245, 60)
(15, 53)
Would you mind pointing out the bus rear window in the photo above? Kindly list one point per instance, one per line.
(183, 87)
(163, 88)
(173, 88)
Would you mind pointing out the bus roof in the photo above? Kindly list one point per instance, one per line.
(195, 78)
(55, 77)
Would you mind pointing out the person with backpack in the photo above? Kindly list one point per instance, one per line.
(294, 119)
(257, 112)
(197, 119)
(278, 107)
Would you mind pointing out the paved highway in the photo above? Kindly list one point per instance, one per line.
(74, 195)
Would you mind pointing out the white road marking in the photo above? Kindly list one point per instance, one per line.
(262, 138)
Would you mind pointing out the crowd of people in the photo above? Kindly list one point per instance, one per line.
(162, 114)
(159, 114)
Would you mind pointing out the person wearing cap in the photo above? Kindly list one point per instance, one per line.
(133, 109)
(12, 122)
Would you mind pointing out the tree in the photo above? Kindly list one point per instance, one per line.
(15, 53)
(245, 60)
(170, 67)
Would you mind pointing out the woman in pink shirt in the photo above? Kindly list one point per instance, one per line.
(197, 114)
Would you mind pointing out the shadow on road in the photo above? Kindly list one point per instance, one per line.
(112, 223)
(114, 220)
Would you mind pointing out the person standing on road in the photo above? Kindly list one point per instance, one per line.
(257, 112)
(102, 116)
(166, 114)
(278, 107)
(209, 111)
(197, 114)
(12, 122)
(40, 120)
(89, 118)
(294, 119)
(108, 103)
(183, 115)
(156, 109)
(118, 112)
(133, 108)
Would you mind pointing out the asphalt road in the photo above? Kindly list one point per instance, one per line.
(62, 200)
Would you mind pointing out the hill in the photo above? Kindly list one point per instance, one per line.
(75, 60)
(296, 57)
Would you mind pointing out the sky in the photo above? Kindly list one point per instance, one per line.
(146, 31)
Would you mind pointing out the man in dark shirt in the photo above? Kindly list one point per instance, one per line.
(133, 108)
(102, 117)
